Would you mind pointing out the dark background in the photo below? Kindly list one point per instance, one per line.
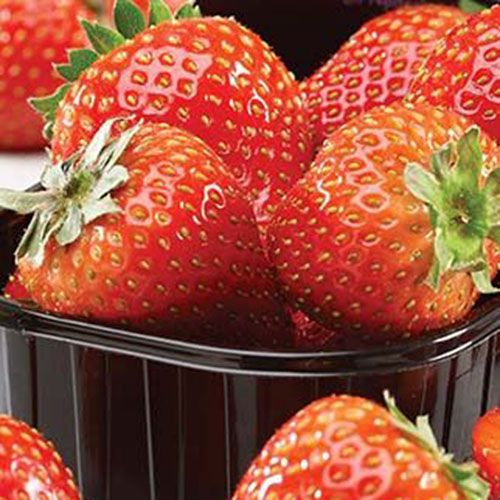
(305, 33)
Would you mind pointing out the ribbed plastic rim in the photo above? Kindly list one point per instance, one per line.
(482, 326)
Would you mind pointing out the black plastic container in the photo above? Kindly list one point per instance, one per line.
(145, 418)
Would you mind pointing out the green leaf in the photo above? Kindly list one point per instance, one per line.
(442, 252)
(92, 211)
(115, 151)
(434, 277)
(188, 11)
(102, 39)
(159, 13)
(48, 130)
(470, 160)
(53, 177)
(492, 187)
(96, 146)
(71, 226)
(79, 61)
(112, 178)
(494, 234)
(422, 184)
(482, 280)
(24, 202)
(129, 20)
(44, 227)
(47, 106)
(471, 6)
(441, 162)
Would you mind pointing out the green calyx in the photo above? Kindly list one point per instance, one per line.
(464, 476)
(76, 192)
(129, 22)
(471, 6)
(464, 213)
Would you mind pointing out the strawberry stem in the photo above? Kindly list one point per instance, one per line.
(464, 476)
(463, 213)
(76, 192)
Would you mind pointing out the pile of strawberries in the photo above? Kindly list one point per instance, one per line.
(196, 190)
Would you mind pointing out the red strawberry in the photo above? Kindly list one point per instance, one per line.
(355, 240)
(15, 289)
(348, 448)
(486, 443)
(33, 35)
(307, 334)
(376, 65)
(463, 72)
(30, 467)
(210, 76)
(175, 250)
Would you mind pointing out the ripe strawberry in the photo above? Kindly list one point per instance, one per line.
(463, 72)
(385, 236)
(348, 448)
(209, 76)
(486, 444)
(175, 251)
(15, 289)
(307, 334)
(376, 65)
(30, 467)
(33, 35)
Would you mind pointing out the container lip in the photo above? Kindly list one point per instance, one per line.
(480, 326)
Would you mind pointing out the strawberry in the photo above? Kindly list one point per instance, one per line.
(210, 76)
(391, 232)
(153, 232)
(486, 444)
(463, 72)
(348, 448)
(30, 467)
(15, 289)
(309, 335)
(34, 35)
(376, 65)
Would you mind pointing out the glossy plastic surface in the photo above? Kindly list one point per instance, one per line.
(149, 418)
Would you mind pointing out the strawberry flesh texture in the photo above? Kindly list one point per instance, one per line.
(463, 72)
(213, 78)
(309, 335)
(37, 34)
(486, 445)
(30, 468)
(15, 289)
(345, 448)
(376, 65)
(183, 260)
(349, 240)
